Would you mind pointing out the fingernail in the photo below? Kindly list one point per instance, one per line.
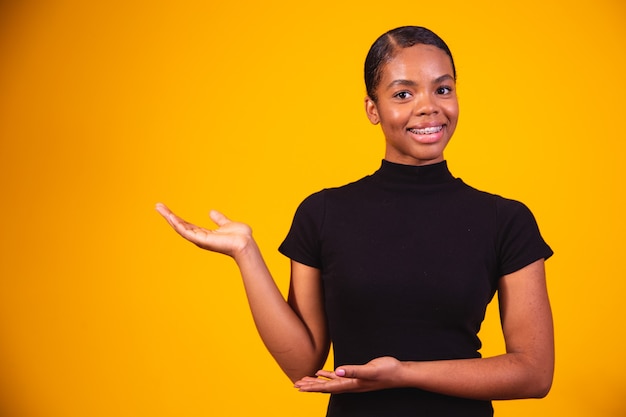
(340, 372)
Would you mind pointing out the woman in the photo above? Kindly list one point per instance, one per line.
(397, 269)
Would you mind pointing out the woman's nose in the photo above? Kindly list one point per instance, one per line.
(425, 105)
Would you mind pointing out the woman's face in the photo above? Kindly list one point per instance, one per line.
(417, 106)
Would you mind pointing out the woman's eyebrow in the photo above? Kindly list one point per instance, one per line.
(411, 83)
(445, 77)
(407, 83)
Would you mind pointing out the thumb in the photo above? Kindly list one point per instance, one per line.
(218, 218)
(351, 371)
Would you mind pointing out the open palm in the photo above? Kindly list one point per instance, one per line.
(229, 238)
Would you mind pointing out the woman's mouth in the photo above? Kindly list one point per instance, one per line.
(426, 130)
(427, 135)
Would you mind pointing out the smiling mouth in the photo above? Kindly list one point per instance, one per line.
(426, 130)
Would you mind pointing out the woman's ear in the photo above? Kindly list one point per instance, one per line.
(371, 110)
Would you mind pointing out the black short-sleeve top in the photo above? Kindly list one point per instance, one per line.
(410, 257)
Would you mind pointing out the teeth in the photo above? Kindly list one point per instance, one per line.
(426, 130)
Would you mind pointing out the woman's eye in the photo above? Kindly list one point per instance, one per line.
(444, 90)
(402, 95)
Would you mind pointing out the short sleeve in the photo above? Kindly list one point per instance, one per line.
(519, 241)
(303, 242)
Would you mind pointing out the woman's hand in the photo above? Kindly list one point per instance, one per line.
(378, 374)
(230, 238)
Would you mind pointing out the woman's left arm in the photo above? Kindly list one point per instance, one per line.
(524, 371)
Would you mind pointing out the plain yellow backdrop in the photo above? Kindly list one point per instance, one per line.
(108, 107)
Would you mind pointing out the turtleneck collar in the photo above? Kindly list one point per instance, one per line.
(391, 172)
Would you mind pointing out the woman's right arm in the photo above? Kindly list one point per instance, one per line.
(294, 331)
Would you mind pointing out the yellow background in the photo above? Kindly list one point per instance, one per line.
(248, 107)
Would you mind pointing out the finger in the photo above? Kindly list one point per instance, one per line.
(307, 380)
(329, 386)
(187, 230)
(162, 208)
(350, 371)
(218, 218)
(166, 213)
(176, 222)
(312, 386)
(326, 374)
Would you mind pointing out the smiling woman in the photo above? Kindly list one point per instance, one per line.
(396, 269)
(415, 104)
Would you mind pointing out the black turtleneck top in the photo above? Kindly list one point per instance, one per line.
(409, 258)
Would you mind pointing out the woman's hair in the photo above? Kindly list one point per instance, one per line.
(386, 46)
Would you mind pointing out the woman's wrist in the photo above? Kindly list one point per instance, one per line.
(247, 247)
(406, 374)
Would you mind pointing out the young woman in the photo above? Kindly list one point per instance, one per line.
(397, 268)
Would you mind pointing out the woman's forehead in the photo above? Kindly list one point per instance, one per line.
(418, 59)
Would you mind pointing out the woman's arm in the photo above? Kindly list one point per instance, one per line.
(294, 332)
(524, 371)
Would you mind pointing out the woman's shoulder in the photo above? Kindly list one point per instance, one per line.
(359, 186)
(502, 209)
(495, 198)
